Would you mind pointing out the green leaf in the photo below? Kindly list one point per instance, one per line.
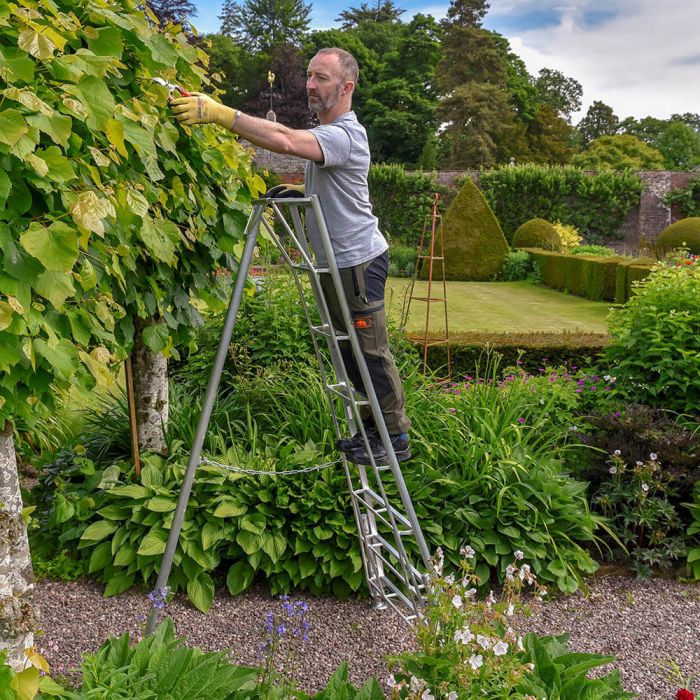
(89, 209)
(60, 168)
(161, 504)
(249, 542)
(99, 530)
(201, 592)
(15, 66)
(137, 203)
(12, 127)
(108, 42)
(153, 543)
(151, 476)
(36, 43)
(161, 237)
(55, 286)
(118, 583)
(229, 509)
(156, 336)
(130, 491)
(55, 247)
(101, 557)
(97, 100)
(57, 127)
(5, 186)
(239, 577)
(254, 523)
(274, 545)
(63, 510)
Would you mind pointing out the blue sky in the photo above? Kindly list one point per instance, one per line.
(639, 56)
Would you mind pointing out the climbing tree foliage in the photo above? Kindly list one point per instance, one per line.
(109, 211)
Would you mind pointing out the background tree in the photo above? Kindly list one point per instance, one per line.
(261, 25)
(175, 11)
(288, 94)
(675, 139)
(548, 137)
(471, 79)
(600, 120)
(386, 11)
(555, 89)
(619, 152)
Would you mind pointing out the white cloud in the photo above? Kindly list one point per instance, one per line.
(642, 61)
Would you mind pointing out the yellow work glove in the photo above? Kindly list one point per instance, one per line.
(202, 109)
(285, 190)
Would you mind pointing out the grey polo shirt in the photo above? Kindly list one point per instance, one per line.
(341, 185)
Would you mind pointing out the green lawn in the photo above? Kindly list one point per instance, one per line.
(497, 307)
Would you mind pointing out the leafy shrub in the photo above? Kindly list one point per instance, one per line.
(599, 250)
(655, 347)
(401, 201)
(683, 234)
(568, 235)
(636, 501)
(403, 258)
(686, 198)
(693, 532)
(595, 204)
(519, 265)
(537, 233)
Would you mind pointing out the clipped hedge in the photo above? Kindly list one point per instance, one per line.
(599, 278)
(596, 204)
(537, 233)
(531, 352)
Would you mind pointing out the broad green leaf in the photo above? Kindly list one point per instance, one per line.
(55, 247)
(36, 43)
(161, 237)
(55, 286)
(115, 133)
(274, 545)
(254, 523)
(12, 126)
(60, 168)
(162, 50)
(153, 543)
(106, 41)
(156, 337)
(118, 584)
(151, 476)
(5, 186)
(6, 314)
(161, 504)
(130, 491)
(40, 167)
(99, 530)
(86, 276)
(228, 509)
(137, 203)
(58, 126)
(94, 95)
(201, 592)
(101, 557)
(25, 684)
(239, 577)
(63, 510)
(249, 542)
(89, 209)
(29, 99)
(139, 137)
(15, 66)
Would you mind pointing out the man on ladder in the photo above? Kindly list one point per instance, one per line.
(338, 162)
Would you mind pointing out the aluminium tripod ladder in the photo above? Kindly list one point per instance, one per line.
(383, 526)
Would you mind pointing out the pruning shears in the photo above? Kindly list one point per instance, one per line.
(171, 87)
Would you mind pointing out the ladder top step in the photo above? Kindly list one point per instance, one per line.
(430, 298)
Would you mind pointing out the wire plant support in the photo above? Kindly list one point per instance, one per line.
(429, 258)
(387, 527)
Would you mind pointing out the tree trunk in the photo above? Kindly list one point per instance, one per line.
(17, 614)
(150, 372)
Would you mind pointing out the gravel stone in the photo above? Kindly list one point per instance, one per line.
(640, 622)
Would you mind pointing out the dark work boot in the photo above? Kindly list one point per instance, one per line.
(345, 444)
(358, 454)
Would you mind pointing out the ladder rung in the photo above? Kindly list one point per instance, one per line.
(342, 391)
(376, 548)
(328, 332)
(434, 257)
(309, 268)
(373, 494)
(429, 298)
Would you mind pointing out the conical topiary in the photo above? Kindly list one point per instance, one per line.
(475, 246)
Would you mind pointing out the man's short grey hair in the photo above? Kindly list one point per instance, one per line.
(348, 65)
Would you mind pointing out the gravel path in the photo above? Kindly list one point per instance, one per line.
(639, 622)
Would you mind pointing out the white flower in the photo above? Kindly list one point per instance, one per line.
(457, 601)
(518, 554)
(617, 453)
(449, 580)
(524, 572)
(467, 552)
(390, 681)
(464, 636)
(416, 684)
(510, 570)
(476, 661)
(427, 695)
(613, 470)
(653, 456)
(511, 610)
(640, 464)
(521, 647)
(645, 487)
(452, 695)
(500, 648)
(483, 642)
(543, 591)
(470, 594)
(439, 561)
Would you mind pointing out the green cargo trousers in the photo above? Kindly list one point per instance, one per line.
(363, 286)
